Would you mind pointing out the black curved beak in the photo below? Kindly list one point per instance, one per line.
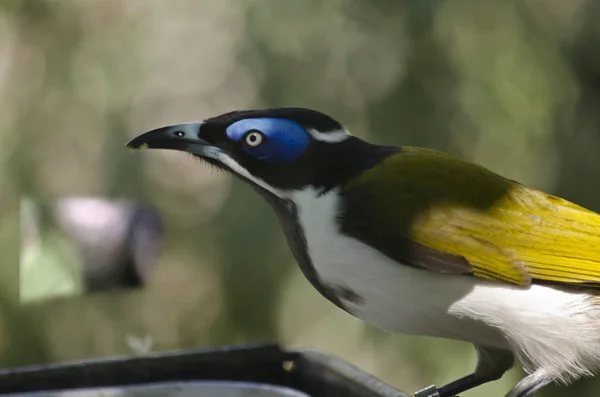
(182, 137)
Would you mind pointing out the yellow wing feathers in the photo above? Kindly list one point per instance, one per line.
(505, 230)
(516, 240)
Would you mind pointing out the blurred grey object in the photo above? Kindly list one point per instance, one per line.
(177, 389)
(118, 241)
(87, 244)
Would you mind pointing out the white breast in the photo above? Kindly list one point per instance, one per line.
(404, 299)
(393, 296)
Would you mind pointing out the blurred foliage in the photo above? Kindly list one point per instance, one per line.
(48, 265)
(513, 85)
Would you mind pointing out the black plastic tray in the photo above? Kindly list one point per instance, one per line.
(314, 373)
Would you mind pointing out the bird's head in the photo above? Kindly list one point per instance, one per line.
(276, 150)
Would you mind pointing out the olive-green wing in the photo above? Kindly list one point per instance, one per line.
(504, 230)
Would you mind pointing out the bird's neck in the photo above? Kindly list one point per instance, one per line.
(345, 160)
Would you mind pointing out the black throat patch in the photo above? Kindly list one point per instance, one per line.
(287, 213)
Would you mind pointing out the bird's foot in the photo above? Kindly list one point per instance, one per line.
(430, 391)
(529, 385)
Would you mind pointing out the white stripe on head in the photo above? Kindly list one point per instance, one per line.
(222, 157)
(238, 169)
(331, 136)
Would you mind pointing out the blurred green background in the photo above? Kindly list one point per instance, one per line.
(513, 85)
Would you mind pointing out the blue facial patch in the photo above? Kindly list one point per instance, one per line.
(284, 140)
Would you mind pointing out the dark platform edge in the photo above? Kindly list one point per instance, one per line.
(312, 372)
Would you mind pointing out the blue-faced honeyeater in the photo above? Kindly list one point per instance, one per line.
(416, 241)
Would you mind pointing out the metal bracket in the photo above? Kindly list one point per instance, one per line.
(429, 391)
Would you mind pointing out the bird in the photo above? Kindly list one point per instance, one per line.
(416, 241)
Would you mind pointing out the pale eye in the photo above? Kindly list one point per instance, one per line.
(253, 138)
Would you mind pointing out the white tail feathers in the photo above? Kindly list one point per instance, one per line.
(547, 329)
